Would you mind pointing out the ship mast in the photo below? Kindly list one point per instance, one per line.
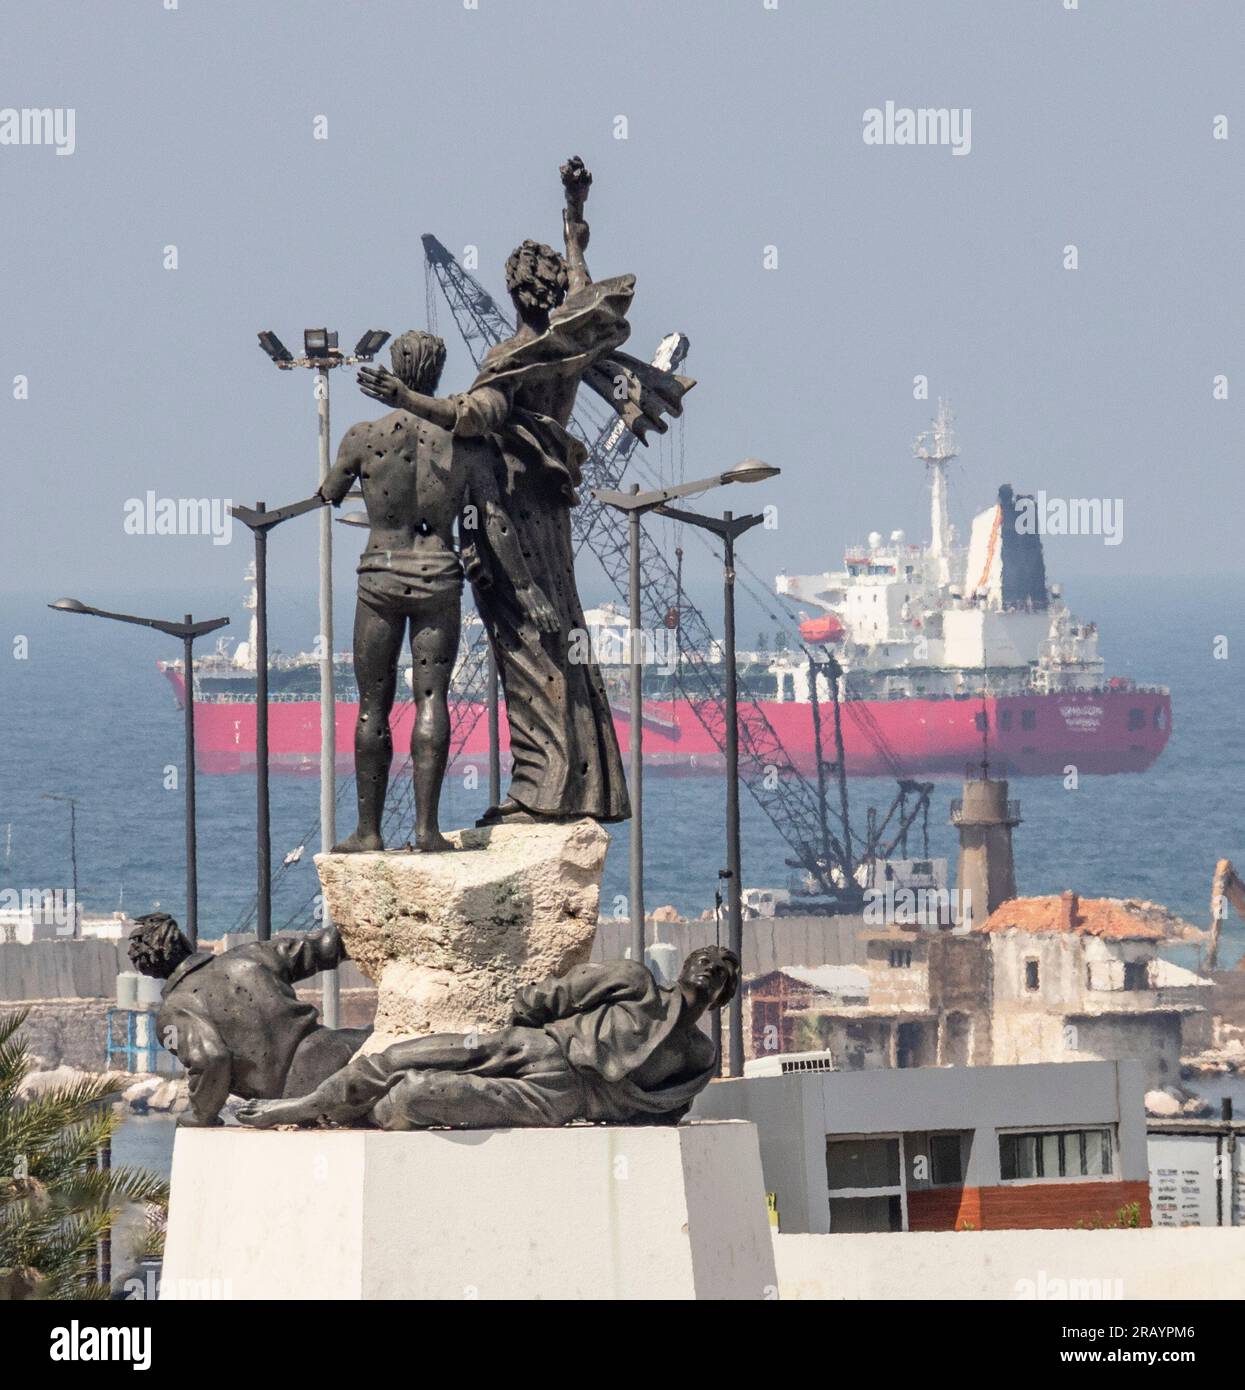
(936, 448)
(244, 656)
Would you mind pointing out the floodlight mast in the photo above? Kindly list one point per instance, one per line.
(321, 355)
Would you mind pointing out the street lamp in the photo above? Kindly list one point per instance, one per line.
(635, 503)
(727, 528)
(187, 630)
(261, 521)
(73, 852)
(321, 355)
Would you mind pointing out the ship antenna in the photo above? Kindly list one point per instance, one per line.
(936, 448)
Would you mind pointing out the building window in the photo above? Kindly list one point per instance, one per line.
(1069, 1153)
(900, 957)
(1136, 718)
(1136, 974)
(1028, 719)
(865, 1178)
(1031, 974)
(945, 1166)
(1005, 719)
(980, 720)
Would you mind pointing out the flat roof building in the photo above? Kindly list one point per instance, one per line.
(947, 1148)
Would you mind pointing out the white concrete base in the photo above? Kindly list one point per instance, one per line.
(587, 1212)
(1156, 1263)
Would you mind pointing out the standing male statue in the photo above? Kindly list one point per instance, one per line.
(418, 478)
(565, 751)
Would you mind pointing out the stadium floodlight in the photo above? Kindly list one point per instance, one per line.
(275, 348)
(371, 343)
(319, 344)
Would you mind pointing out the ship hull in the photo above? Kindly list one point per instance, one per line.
(1095, 733)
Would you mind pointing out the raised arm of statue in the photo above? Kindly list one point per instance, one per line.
(469, 415)
(383, 386)
(343, 474)
(576, 180)
(484, 494)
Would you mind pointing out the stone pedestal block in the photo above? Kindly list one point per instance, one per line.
(587, 1212)
(449, 938)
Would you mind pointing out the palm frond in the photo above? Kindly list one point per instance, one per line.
(56, 1202)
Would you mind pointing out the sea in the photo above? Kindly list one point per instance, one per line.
(85, 713)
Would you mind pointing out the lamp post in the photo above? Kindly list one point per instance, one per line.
(187, 630)
(634, 504)
(73, 852)
(261, 521)
(728, 528)
(321, 355)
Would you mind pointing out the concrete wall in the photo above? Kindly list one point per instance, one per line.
(1065, 1019)
(60, 970)
(769, 942)
(1158, 1264)
(67, 1032)
(898, 986)
(960, 993)
(1021, 1036)
(1066, 964)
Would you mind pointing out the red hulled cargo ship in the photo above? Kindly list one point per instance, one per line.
(941, 650)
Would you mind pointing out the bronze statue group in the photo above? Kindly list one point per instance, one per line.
(498, 465)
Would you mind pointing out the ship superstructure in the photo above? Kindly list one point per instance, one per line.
(942, 619)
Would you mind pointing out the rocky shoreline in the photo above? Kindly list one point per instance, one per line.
(144, 1093)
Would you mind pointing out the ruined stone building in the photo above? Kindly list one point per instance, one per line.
(1048, 979)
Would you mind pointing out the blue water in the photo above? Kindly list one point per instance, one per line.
(87, 714)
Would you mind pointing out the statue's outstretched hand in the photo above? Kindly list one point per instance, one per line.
(576, 180)
(381, 385)
(538, 608)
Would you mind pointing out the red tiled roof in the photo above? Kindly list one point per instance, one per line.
(1117, 919)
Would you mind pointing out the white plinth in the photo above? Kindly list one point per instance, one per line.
(588, 1212)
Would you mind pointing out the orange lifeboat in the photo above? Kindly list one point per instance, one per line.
(822, 630)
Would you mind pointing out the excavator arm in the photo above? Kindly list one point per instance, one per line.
(1226, 887)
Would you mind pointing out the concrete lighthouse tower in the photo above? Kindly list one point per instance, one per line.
(986, 873)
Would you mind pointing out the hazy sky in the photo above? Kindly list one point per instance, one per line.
(194, 128)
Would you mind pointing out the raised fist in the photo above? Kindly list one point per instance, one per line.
(576, 180)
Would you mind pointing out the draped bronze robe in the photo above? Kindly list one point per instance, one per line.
(566, 757)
